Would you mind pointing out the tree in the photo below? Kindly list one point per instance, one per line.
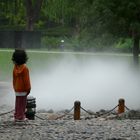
(32, 12)
(121, 18)
(67, 12)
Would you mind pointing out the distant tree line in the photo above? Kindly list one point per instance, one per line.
(102, 21)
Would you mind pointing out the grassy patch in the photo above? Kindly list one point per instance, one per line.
(6, 65)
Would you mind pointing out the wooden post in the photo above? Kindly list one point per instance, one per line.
(121, 106)
(77, 106)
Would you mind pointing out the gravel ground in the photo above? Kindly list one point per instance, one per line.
(46, 127)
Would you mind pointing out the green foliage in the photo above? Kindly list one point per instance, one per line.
(12, 13)
(82, 42)
(117, 16)
(124, 45)
(50, 42)
(59, 31)
(84, 24)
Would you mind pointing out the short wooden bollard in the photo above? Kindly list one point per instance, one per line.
(77, 106)
(121, 106)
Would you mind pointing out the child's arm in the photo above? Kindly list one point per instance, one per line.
(26, 79)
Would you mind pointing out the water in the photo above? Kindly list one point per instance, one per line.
(97, 81)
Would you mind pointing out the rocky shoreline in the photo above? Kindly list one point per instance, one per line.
(56, 126)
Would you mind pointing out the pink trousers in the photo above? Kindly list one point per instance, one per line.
(20, 107)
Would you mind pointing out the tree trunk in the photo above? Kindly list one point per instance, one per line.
(136, 50)
(30, 24)
(16, 7)
(32, 13)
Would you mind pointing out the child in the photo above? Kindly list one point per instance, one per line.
(21, 83)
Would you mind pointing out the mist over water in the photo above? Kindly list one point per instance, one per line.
(97, 82)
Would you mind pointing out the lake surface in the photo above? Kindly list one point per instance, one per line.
(98, 81)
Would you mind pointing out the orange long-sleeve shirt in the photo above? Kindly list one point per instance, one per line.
(21, 78)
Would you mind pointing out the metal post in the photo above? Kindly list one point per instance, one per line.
(77, 106)
(121, 106)
(31, 108)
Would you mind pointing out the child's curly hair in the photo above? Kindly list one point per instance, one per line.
(19, 56)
